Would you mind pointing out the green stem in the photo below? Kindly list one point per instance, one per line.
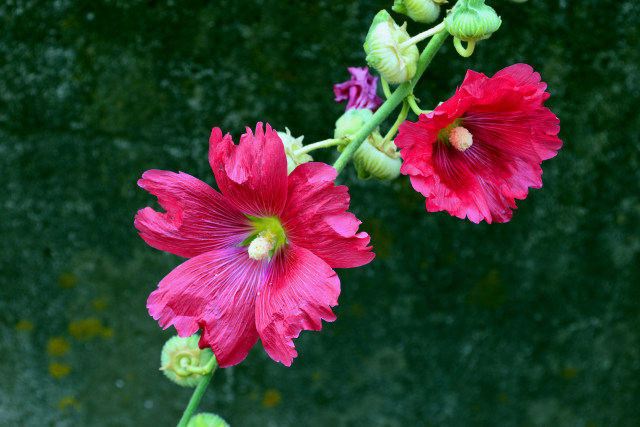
(392, 102)
(320, 144)
(414, 106)
(198, 393)
(419, 37)
(401, 117)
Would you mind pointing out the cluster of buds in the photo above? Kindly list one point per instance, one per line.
(375, 157)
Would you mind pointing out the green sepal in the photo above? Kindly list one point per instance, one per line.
(472, 20)
(382, 16)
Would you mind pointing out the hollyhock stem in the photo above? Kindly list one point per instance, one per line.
(392, 102)
(414, 105)
(401, 117)
(320, 144)
(385, 87)
(198, 393)
(419, 37)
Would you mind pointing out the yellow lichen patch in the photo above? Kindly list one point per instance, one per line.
(569, 372)
(25, 325)
(68, 402)
(271, 398)
(99, 304)
(106, 332)
(59, 370)
(57, 346)
(66, 280)
(89, 328)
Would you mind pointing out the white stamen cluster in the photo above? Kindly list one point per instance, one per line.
(261, 246)
(460, 138)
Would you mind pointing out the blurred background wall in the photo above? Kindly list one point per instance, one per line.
(531, 323)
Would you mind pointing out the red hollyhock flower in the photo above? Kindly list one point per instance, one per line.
(360, 90)
(261, 254)
(481, 149)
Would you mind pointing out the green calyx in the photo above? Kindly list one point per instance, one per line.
(385, 51)
(377, 158)
(268, 236)
(472, 20)
(207, 420)
(424, 11)
(183, 362)
(351, 121)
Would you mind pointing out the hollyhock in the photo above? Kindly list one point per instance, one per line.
(261, 252)
(481, 149)
(360, 90)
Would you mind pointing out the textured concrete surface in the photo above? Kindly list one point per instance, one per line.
(531, 323)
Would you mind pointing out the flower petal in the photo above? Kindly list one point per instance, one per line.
(512, 134)
(214, 292)
(298, 294)
(360, 90)
(198, 218)
(253, 174)
(316, 218)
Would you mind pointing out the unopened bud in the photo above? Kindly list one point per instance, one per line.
(425, 11)
(207, 420)
(472, 20)
(396, 64)
(351, 121)
(182, 361)
(377, 158)
(291, 145)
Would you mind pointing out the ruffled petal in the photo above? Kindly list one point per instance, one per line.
(360, 90)
(215, 292)
(316, 218)
(198, 218)
(298, 294)
(512, 135)
(253, 174)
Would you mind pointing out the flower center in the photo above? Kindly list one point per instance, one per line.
(457, 136)
(460, 138)
(262, 245)
(267, 237)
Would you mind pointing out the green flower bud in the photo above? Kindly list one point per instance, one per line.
(376, 158)
(291, 145)
(207, 420)
(396, 64)
(351, 121)
(182, 361)
(425, 11)
(472, 20)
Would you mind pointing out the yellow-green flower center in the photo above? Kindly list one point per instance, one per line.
(456, 135)
(267, 237)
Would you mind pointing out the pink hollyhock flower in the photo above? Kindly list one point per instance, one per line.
(261, 254)
(360, 90)
(481, 149)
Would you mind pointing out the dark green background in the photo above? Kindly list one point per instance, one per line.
(531, 323)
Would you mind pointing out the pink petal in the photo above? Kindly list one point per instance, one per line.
(512, 135)
(316, 218)
(253, 174)
(360, 90)
(214, 292)
(298, 294)
(198, 218)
